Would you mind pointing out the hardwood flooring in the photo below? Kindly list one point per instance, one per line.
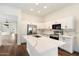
(65, 53)
(20, 50)
(17, 50)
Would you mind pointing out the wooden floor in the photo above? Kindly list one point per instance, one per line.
(65, 53)
(19, 50)
(22, 51)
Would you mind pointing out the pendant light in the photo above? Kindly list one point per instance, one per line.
(6, 23)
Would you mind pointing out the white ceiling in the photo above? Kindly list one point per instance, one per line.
(39, 9)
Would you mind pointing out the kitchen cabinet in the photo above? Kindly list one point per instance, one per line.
(45, 46)
(43, 26)
(40, 26)
(48, 25)
(67, 23)
(58, 21)
(69, 43)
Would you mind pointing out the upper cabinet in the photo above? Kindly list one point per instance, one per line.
(40, 26)
(67, 23)
(47, 25)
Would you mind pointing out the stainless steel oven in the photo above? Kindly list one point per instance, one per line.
(54, 36)
(56, 26)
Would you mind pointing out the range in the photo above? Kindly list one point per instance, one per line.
(54, 36)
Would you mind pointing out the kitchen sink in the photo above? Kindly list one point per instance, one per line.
(37, 36)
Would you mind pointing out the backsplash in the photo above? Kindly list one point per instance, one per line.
(50, 31)
(44, 31)
(68, 32)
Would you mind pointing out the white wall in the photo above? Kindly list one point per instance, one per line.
(6, 10)
(29, 19)
(68, 11)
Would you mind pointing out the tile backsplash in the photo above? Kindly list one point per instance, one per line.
(50, 31)
(68, 32)
(44, 31)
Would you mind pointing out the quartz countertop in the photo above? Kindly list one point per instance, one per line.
(42, 43)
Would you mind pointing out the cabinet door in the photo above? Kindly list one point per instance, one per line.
(40, 26)
(48, 25)
(67, 23)
(61, 39)
(70, 23)
(58, 21)
(69, 45)
(63, 23)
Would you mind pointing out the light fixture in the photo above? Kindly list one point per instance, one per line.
(31, 9)
(45, 7)
(6, 23)
(36, 3)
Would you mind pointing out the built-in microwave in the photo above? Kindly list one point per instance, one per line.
(56, 26)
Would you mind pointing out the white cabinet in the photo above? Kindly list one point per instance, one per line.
(58, 21)
(40, 26)
(69, 43)
(46, 25)
(67, 23)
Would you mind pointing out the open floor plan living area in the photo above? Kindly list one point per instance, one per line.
(39, 29)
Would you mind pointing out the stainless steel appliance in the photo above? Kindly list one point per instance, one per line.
(31, 29)
(56, 26)
(57, 31)
(54, 36)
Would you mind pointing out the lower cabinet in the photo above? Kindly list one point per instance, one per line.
(68, 44)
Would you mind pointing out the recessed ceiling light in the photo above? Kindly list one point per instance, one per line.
(45, 7)
(31, 9)
(38, 11)
(36, 3)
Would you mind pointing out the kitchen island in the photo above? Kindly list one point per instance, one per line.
(42, 46)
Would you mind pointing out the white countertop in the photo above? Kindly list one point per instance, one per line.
(43, 44)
